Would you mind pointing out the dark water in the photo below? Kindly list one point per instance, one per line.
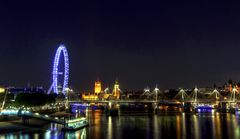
(175, 125)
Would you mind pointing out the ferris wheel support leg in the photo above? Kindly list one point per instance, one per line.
(50, 89)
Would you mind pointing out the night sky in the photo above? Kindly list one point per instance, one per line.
(140, 43)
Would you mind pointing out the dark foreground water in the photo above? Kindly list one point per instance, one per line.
(171, 125)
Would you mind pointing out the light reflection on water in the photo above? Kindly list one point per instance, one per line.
(172, 125)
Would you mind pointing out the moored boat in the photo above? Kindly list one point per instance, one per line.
(75, 124)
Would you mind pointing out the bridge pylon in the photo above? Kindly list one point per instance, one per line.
(215, 94)
(234, 95)
(194, 95)
(181, 95)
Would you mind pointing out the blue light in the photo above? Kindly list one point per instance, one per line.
(55, 73)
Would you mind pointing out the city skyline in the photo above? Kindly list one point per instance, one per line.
(90, 88)
(131, 69)
(140, 44)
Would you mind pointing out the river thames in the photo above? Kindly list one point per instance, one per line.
(166, 125)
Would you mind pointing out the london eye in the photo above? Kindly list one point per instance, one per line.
(56, 72)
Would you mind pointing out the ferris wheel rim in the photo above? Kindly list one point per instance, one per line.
(61, 49)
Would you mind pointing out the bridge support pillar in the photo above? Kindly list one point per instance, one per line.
(150, 108)
(223, 106)
(64, 125)
(187, 107)
(155, 108)
(232, 109)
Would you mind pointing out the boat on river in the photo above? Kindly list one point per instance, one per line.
(75, 124)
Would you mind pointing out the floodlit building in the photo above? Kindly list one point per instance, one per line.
(99, 94)
(98, 87)
(116, 90)
(89, 96)
(95, 95)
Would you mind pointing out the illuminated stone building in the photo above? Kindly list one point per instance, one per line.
(103, 95)
(116, 90)
(95, 95)
(89, 96)
(98, 87)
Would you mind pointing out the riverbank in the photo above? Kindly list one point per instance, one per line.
(5, 118)
(14, 124)
(18, 126)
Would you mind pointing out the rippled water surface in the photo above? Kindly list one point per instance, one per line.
(171, 125)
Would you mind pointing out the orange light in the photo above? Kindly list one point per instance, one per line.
(89, 97)
(98, 87)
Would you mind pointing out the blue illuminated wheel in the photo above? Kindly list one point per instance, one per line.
(56, 72)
